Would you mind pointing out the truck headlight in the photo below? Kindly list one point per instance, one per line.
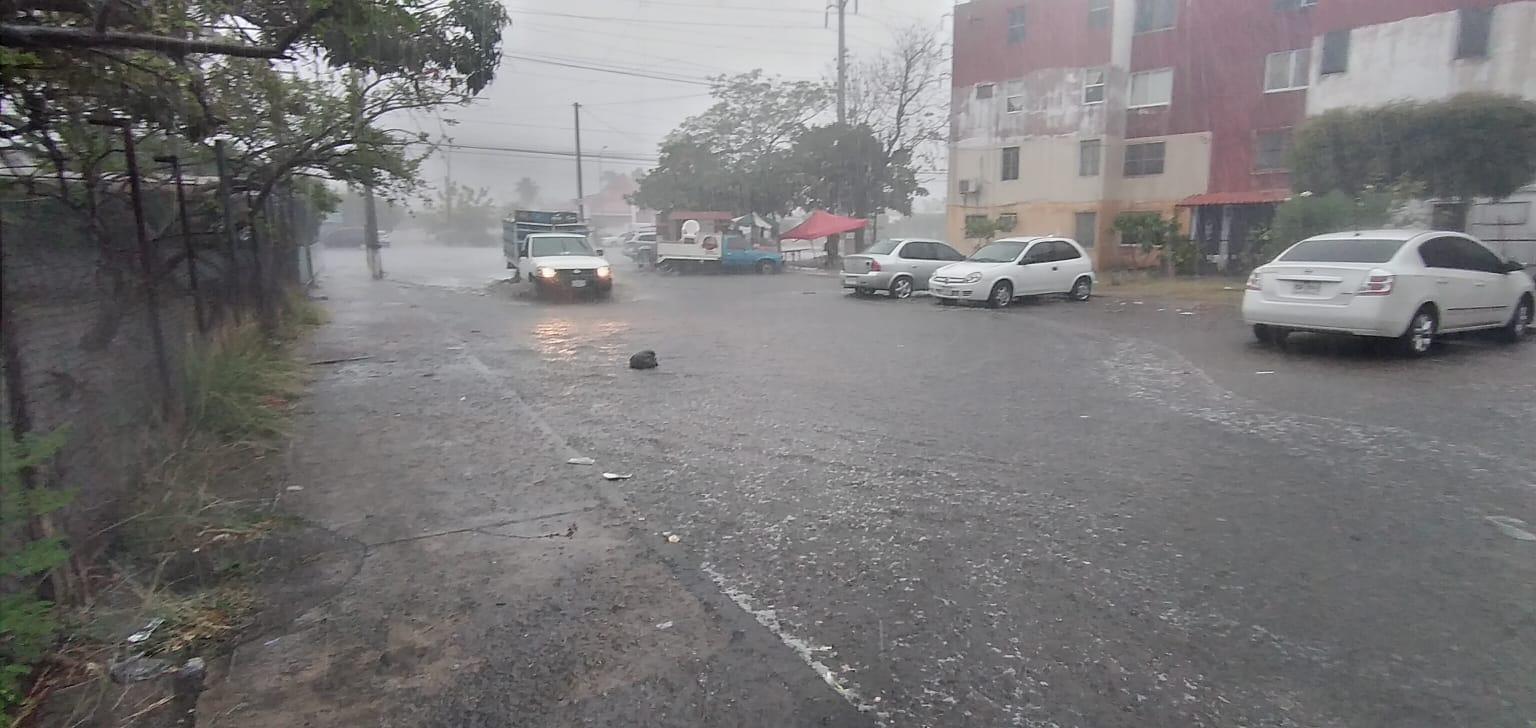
(604, 272)
(972, 278)
(547, 273)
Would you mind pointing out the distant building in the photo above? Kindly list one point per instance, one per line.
(1068, 113)
(609, 210)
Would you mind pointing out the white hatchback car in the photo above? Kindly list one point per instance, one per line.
(1407, 285)
(1009, 268)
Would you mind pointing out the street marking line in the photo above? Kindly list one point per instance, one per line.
(802, 648)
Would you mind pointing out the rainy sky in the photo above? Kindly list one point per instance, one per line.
(655, 56)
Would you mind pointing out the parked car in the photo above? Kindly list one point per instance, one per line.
(1007, 269)
(898, 266)
(1407, 285)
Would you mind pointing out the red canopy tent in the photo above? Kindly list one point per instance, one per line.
(821, 224)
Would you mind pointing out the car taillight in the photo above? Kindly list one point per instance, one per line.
(874, 265)
(1378, 283)
(1255, 281)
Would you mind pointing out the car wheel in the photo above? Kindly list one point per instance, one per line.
(901, 287)
(1002, 295)
(1519, 326)
(764, 267)
(1420, 336)
(1082, 290)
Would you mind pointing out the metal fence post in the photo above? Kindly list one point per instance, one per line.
(231, 236)
(259, 268)
(147, 260)
(186, 240)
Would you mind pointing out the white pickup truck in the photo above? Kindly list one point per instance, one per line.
(562, 262)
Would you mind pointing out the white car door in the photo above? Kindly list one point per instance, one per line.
(1492, 302)
(1070, 263)
(1033, 275)
(1458, 291)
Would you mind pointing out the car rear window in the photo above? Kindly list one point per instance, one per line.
(1350, 250)
(884, 247)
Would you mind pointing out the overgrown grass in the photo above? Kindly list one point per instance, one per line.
(239, 386)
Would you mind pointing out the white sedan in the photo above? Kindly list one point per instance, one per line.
(1004, 270)
(1406, 285)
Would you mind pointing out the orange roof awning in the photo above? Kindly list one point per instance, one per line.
(1255, 197)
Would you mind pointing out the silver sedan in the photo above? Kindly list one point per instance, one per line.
(898, 266)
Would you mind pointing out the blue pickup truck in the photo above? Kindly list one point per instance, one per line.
(728, 252)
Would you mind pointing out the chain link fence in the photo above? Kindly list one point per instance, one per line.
(108, 293)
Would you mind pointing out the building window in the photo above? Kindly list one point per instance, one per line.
(1294, 4)
(1144, 159)
(1151, 88)
(1087, 228)
(1089, 154)
(1099, 12)
(1273, 150)
(1152, 15)
(1015, 25)
(1006, 221)
(1472, 41)
(1010, 163)
(1093, 86)
(983, 91)
(974, 221)
(1287, 70)
(1335, 52)
(1015, 103)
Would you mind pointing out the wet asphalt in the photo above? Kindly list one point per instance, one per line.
(1114, 513)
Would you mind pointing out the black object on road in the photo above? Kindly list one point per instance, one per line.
(643, 360)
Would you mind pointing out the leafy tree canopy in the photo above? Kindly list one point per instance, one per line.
(1471, 145)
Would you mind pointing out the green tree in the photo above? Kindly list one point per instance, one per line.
(1467, 146)
(981, 227)
(462, 214)
(1309, 214)
(845, 167)
(27, 621)
(732, 157)
(1150, 231)
(527, 192)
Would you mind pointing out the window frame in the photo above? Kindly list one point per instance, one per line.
(1162, 166)
(1003, 176)
(1131, 89)
(1009, 107)
(1101, 13)
(1097, 145)
(1017, 31)
(916, 246)
(1342, 47)
(1013, 221)
(1172, 12)
(1288, 134)
(1102, 85)
(1485, 38)
(1291, 70)
(991, 91)
(1471, 251)
(1077, 228)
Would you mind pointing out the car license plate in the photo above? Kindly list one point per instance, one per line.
(850, 281)
(944, 291)
(578, 283)
(1307, 287)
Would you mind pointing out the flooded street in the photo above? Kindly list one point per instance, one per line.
(1098, 514)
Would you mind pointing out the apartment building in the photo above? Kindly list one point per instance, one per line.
(1068, 113)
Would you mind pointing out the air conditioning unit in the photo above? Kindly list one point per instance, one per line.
(970, 187)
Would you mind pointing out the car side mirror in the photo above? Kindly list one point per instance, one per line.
(599, 251)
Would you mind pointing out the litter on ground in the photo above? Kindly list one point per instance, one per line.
(582, 461)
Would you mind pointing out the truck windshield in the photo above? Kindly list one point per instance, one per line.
(559, 245)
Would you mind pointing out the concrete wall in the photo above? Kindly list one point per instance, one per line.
(1414, 58)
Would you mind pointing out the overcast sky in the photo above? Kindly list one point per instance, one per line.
(625, 114)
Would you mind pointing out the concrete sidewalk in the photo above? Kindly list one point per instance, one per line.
(468, 575)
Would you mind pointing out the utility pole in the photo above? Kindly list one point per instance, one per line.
(447, 184)
(581, 204)
(842, 57)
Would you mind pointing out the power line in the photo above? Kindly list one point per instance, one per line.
(620, 156)
(651, 21)
(621, 72)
